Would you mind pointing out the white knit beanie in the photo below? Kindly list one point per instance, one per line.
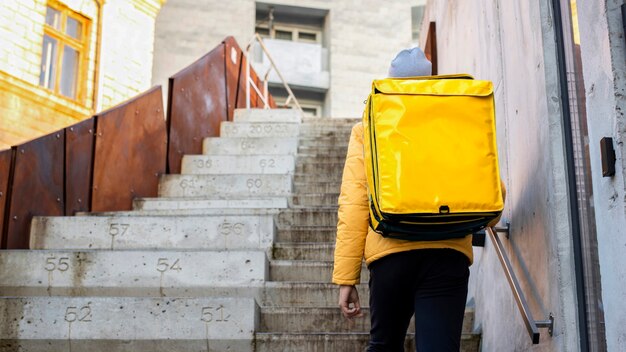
(410, 63)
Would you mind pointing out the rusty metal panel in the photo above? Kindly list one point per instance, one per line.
(272, 102)
(79, 140)
(197, 106)
(233, 55)
(37, 187)
(255, 99)
(130, 152)
(241, 95)
(6, 169)
(259, 83)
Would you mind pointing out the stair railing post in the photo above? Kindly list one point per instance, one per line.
(250, 83)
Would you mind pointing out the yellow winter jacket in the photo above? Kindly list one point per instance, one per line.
(355, 238)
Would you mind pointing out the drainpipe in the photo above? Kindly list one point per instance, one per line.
(571, 177)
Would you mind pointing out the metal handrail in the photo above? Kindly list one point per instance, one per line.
(532, 325)
(251, 83)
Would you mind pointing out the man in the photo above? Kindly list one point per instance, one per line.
(425, 278)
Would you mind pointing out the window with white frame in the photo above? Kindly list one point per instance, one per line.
(291, 33)
(291, 23)
(64, 51)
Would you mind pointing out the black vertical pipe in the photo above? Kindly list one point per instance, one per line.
(571, 177)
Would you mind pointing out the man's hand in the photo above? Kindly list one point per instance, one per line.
(349, 301)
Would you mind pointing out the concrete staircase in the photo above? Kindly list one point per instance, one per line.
(234, 255)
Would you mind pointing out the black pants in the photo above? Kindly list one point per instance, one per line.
(432, 283)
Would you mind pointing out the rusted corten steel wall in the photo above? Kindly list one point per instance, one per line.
(6, 162)
(198, 99)
(69, 171)
(130, 152)
(78, 166)
(232, 58)
(37, 186)
(203, 95)
(102, 163)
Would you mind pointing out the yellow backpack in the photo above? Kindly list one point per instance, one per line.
(430, 157)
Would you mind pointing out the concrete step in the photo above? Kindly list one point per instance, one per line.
(208, 203)
(253, 129)
(304, 177)
(338, 121)
(334, 169)
(187, 212)
(305, 271)
(307, 129)
(304, 251)
(316, 188)
(127, 273)
(304, 294)
(335, 141)
(307, 217)
(268, 115)
(316, 149)
(320, 158)
(321, 149)
(314, 200)
(269, 294)
(127, 324)
(153, 232)
(306, 234)
(332, 341)
(249, 146)
(234, 186)
(310, 320)
(325, 132)
(237, 164)
(326, 142)
(321, 152)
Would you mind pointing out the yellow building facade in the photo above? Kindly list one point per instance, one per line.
(63, 60)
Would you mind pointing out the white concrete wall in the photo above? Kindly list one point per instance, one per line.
(365, 37)
(603, 54)
(512, 44)
(362, 37)
(126, 54)
(188, 29)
